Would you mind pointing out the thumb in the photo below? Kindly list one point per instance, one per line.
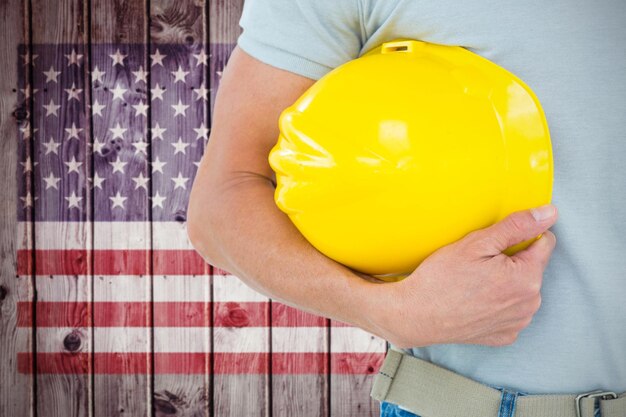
(520, 226)
(539, 251)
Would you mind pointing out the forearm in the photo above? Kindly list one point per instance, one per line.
(242, 231)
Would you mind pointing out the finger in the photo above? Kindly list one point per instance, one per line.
(539, 251)
(519, 226)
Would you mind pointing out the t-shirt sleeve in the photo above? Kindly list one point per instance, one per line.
(307, 37)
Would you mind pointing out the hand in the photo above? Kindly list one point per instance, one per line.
(469, 291)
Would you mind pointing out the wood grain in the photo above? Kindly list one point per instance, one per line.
(248, 393)
(181, 26)
(123, 24)
(19, 400)
(58, 28)
(224, 20)
(350, 389)
(251, 380)
(241, 380)
(294, 393)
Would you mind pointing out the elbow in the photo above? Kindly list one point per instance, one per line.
(200, 228)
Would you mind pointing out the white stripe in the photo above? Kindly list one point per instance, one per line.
(197, 339)
(121, 288)
(70, 288)
(120, 235)
(125, 288)
(231, 288)
(107, 235)
(170, 235)
(353, 339)
(299, 339)
(195, 288)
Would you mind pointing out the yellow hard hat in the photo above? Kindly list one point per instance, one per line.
(406, 149)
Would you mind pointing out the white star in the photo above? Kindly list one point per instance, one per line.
(202, 131)
(180, 74)
(201, 92)
(180, 146)
(96, 74)
(157, 200)
(97, 108)
(118, 201)
(219, 73)
(140, 181)
(157, 58)
(73, 131)
(180, 181)
(201, 57)
(73, 200)
(51, 109)
(140, 75)
(73, 92)
(157, 92)
(52, 75)
(118, 92)
(118, 166)
(51, 146)
(28, 200)
(28, 165)
(26, 131)
(28, 58)
(197, 164)
(26, 91)
(157, 132)
(180, 108)
(118, 58)
(73, 58)
(73, 165)
(118, 131)
(157, 166)
(51, 181)
(97, 145)
(97, 181)
(140, 146)
(141, 109)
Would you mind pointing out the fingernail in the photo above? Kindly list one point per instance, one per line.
(543, 212)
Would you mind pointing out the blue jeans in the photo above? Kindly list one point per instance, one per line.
(507, 406)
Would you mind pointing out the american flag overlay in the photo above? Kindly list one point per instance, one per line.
(107, 161)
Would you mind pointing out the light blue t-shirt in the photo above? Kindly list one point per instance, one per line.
(572, 53)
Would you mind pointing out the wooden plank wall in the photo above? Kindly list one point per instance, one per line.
(17, 390)
(59, 30)
(107, 312)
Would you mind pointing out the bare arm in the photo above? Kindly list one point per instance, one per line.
(466, 292)
(233, 220)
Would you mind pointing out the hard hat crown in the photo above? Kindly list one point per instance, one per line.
(406, 149)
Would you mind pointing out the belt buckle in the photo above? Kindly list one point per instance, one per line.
(603, 395)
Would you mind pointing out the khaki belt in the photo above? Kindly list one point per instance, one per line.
(431, 391)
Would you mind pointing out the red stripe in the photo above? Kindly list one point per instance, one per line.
(112, 262)
(199, 363)
(166, 314)
(285, 316)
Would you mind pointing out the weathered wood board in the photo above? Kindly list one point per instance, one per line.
(183, 371)
(122, 129)
(62, 211)
(17, 395)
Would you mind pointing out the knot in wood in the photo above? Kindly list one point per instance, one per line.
(72, 341)
(237, 317)
(180, 216)
(164, 407)
(20, 113)
(3, 292)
